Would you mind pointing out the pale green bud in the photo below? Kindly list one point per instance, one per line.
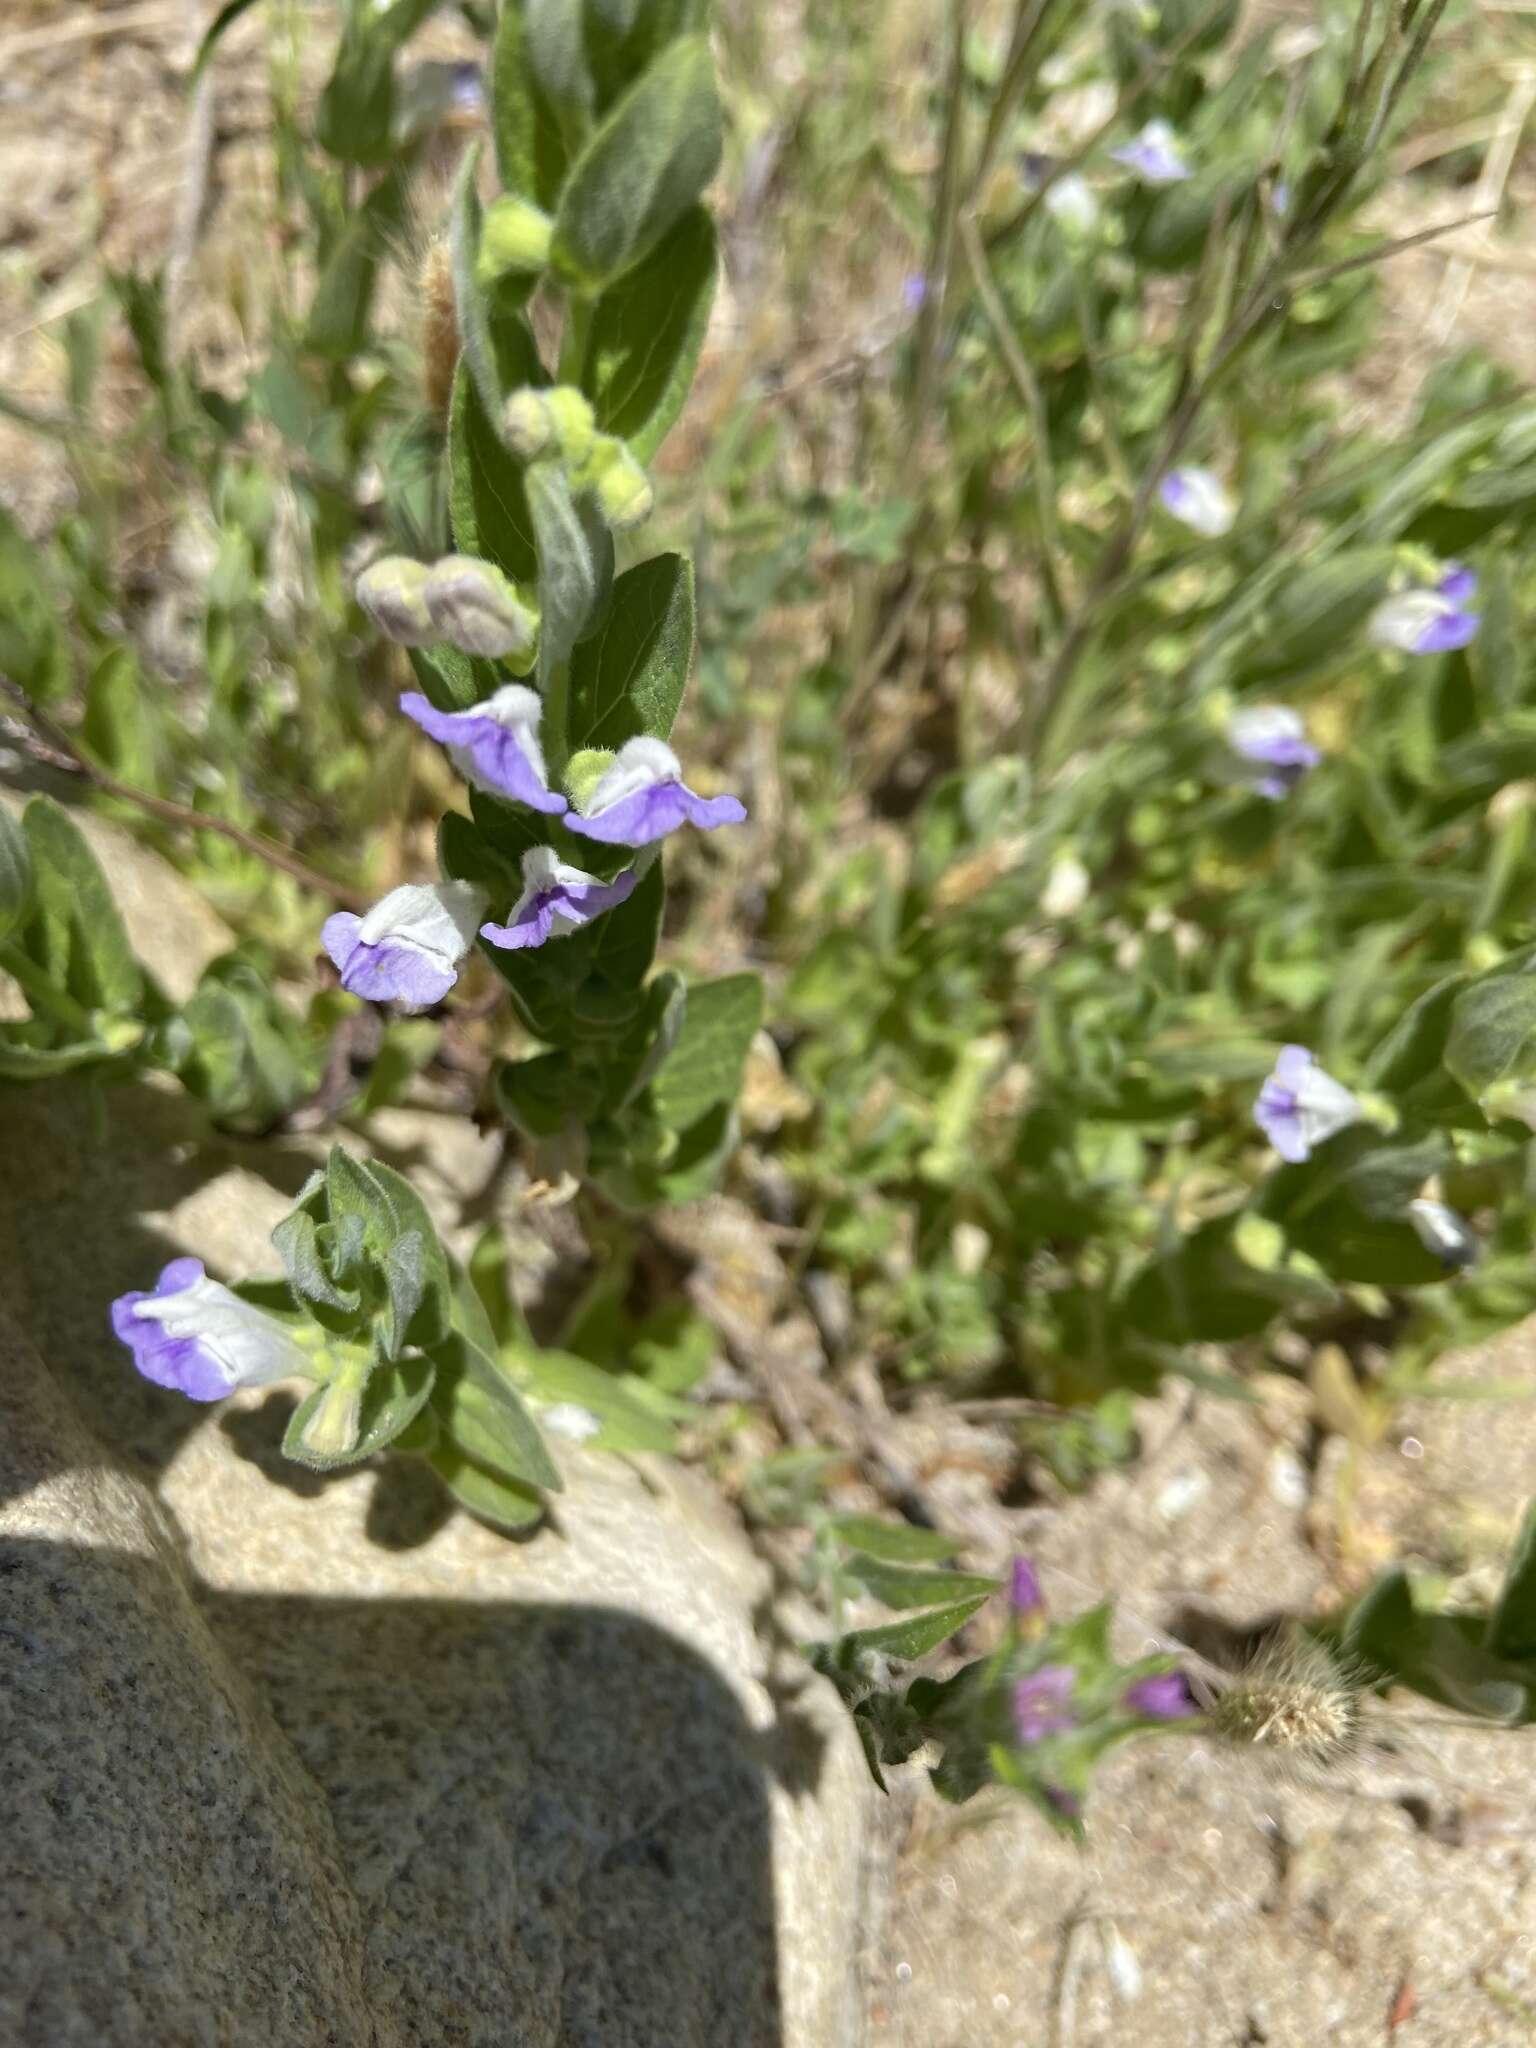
(526, 424)
(332, 1430)
(514, 241)
(624, 493)
(584, 771)
(575, 428)
(477, 608)
(393, 592)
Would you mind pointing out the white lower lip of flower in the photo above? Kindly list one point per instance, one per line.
(1071, 202)
(250, 1347)
(439, 920)
(1261, 725)
(639, 764)
(1325, 1106)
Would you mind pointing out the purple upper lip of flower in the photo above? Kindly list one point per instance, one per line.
(1163, 1697)
(643, 797)
(1041, 1702)
(501, 753)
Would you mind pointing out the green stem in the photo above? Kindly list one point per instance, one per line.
(42, 995)
(573, 339)
(555, 728)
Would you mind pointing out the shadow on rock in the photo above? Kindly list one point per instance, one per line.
(516, 1827)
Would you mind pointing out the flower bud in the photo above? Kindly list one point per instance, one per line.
(570, 414)
(472, 604)
(393, 592)
(624, 493)
(526, 424)
(332, 1430)
(514, 241)
(584, 771)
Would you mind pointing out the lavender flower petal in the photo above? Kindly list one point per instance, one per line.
(1163, 1697)
(1154, 155)
(495, 746)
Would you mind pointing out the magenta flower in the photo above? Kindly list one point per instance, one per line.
(643, 797)
(1024, 1594)
(1041, 1702)
(1163, 1697)
(495, 744)
(556, 899)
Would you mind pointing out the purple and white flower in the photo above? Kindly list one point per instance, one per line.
(642, 797)
(1041, 1702)
(556, 899)
(1431, 618)
(1199, 499)
(495, 744)
(1300, 1107)
(192, 1334)
(1163, 1697)
(1154, 155)
(1273, 737)
(409, 946)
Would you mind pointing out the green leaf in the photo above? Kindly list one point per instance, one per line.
(237, 1047)
(22, 1061)
(296, 1239)
(642, 169)
(913, 1636)
(900, 1585)
(226, 17)
(484, 1415)
(893, 1542)
(390, 1210)
(629, 678)
(1415, 1046)
(703, 1068)
(646, 333)
(530, 150)
(488, 498)
(1205, 1291)
(74, 932)
(16, 881)
(1438, 1655)
(1512, 1628)
(485, 1493)
(33, 651)
(628, 1423)
(392, 1399)
(1493, 1032)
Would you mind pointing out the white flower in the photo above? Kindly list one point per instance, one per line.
(1200, 499)
(568, 1419)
